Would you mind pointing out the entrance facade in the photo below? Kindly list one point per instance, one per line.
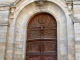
(19, 32)
(42, 38)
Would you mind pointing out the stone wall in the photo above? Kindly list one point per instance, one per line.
(3, 31)
(7, 1)
(77, 40)
(76, 11)
(12, 48)
(3, 34)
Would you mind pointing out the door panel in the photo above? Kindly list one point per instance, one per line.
(33, 57)
(33, 47)
(49, 46)
(49, 58)
(49, 33)
(41, 57)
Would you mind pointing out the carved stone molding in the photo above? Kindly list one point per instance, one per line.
(41, 4)
(70, 8)
(12, 15)
(12, 9)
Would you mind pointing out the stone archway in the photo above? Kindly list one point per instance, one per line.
(20, 24)
(23, 19)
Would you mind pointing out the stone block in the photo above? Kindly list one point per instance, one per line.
(2, 43)
(77, 50)
(77, 42)
(77, 46)
(9, 55)
(18, 56)
(4, 15)
(2, 39)
(18, 46)
(10, 48)
(18, 42)
(2, 50)
(2, 47)
(8, 58)
(77, 38)
(17, 52)
(77, 54)
(18, 49)
(10, 51)
(1, 58)
(2, 55)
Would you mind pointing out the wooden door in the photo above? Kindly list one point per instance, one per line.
(42, 38)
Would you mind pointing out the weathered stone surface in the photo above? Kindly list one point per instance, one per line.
(4, 16)
(7, 1)
(16, 16)
(77, 40)
(76, 9)
(3, 34)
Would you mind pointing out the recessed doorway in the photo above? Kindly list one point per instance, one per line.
(42, 38)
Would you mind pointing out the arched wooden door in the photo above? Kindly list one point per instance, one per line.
(42, 38)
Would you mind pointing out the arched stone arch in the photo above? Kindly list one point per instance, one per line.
(24, 3)
(22, 21)
(22, 17)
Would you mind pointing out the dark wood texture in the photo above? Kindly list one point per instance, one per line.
(42, 38)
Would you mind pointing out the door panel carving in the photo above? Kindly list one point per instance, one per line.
(50, 58)
(32, 57)
(34, 34)
(49, 46)
(33, 47)
(49, 33)
(42, 38)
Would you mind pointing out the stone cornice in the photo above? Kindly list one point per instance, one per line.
(11, 4)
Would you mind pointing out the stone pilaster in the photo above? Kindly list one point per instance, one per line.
(4, 13)
(71, 41)
(10, 35)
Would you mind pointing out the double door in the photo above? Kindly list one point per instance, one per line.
(42, 38)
